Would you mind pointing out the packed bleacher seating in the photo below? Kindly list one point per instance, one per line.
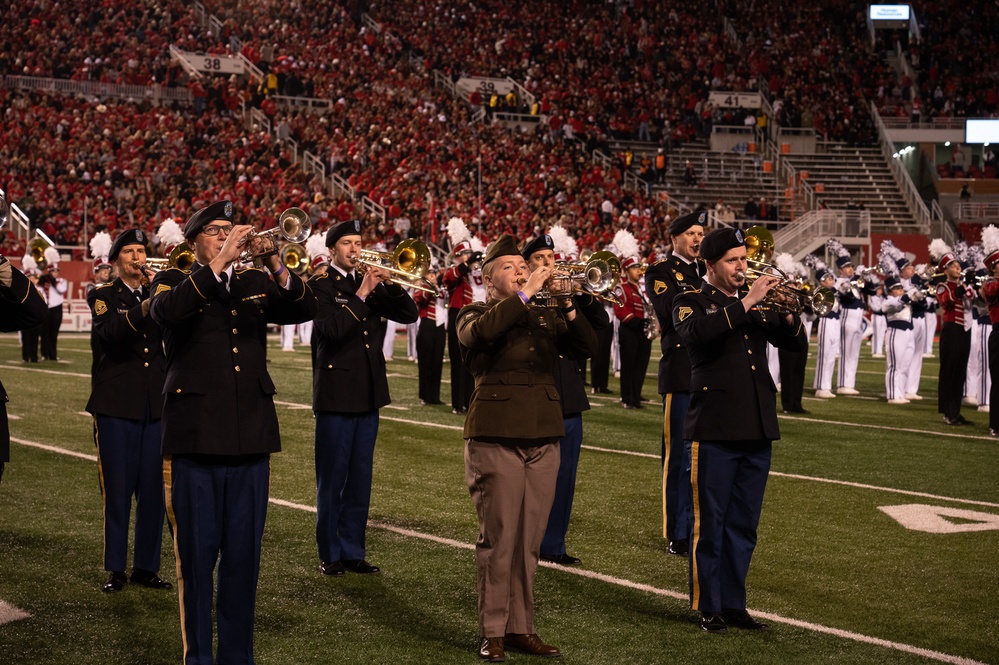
(626, 71)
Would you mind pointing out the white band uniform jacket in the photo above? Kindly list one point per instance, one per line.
(724, 341)
(510, 349)
(350, 367)
(219, 398)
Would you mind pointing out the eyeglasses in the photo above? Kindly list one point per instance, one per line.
(215, 230)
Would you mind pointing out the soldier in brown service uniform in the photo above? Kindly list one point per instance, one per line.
(512, 431)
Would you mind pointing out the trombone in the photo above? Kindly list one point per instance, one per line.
(294, 226)
(408, 264)
(784, 296)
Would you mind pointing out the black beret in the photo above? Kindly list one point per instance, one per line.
(543, 241)
(352, 227)
(843, 261)
(684, 222)
(502, 246)
(208, 214)
(719, 241)
(130, 237)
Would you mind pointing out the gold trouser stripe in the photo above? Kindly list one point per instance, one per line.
(168, 495)
(696, 595)
(667, 413)
(104, 493)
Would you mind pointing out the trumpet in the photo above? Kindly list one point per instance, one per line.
(181, 256)
(599, 276)
(294, 226)
(785, 295)
(408, 264)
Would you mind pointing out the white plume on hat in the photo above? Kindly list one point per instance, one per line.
(835, 247)
(563, 242)
(170, 233)
(100, 245)
(316, 245)
(28, 263)
(52, 255)
(938, 248)
(990, 239)
(815, 263)
(626, 244)
(785, 262)
(975, 256)
(457, 231)
(961, 251)
(887, 258)
(476, 244)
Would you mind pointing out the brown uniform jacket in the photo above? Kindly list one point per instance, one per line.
(511, 349)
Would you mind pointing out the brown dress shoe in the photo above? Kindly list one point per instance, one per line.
(531, 644)
(491, 650)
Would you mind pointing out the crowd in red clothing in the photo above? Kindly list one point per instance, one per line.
(605, 70)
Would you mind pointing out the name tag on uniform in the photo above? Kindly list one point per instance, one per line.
(341, 301)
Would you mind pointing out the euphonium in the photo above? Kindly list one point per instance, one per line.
(408, 264)
(294, 225)
(784, 296)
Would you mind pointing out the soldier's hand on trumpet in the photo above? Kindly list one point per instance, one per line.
(231, 248)
(759, 290)
(536, 281)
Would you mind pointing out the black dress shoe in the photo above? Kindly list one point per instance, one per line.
(741, 619)
(361, 567)
(491, 650)
(961, 420)
(678, 547)
(712, 622)
(561, 559)
(115, 583)
(953, 422)
(802, 411)
(530, 644)
(627, 406)
(332, 568)
(148, 579)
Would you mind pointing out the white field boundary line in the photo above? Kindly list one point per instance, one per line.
(608, 579)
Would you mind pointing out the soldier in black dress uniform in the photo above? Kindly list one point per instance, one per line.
(219, 423)
(569, 383)
(732, 422)
(126, 401)
(349, 387)
(664, 281)
(21, 307)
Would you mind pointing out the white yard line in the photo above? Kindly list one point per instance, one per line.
(619, 581)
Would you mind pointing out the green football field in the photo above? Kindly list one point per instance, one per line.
(879, 541)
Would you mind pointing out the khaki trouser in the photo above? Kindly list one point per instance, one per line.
(512, 488)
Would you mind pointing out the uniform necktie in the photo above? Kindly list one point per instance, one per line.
(225, 280)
